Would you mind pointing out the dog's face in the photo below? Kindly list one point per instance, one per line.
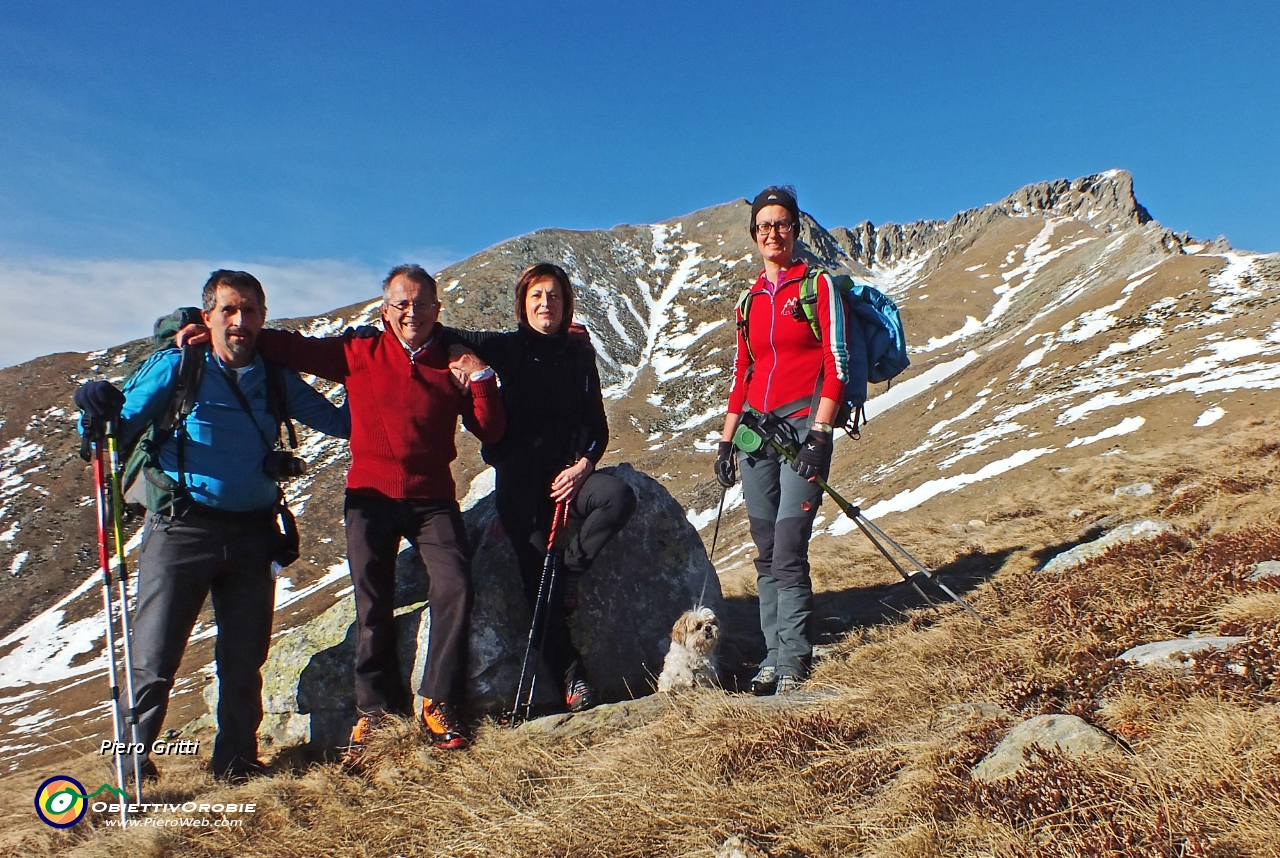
(698, 630)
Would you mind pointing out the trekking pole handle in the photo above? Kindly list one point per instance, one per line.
(559, 520)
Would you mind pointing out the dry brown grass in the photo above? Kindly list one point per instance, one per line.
(874, 768)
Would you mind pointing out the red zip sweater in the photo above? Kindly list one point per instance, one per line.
(404, 412)
(782, 364)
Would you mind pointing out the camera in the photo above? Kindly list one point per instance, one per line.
(282, 465)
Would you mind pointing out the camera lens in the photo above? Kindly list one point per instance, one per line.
(282, 465)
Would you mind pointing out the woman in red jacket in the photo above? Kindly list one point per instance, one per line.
(782, 369)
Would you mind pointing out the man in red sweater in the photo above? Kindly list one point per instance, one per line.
(404, 412)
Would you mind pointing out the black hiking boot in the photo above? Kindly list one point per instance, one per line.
(579, 694)
(241, 771)
(765, 682)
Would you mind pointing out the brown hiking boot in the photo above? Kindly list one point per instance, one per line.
(443, 724)
(361, 733)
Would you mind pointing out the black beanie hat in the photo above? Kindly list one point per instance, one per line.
(775, 196)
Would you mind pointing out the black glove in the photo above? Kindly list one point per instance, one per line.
(101, 403)
(808, 462)
(726, 465)
(362, 332)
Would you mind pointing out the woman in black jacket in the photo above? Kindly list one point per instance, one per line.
(556, 434)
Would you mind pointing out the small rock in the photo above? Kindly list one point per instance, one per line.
(1135, 490)
(1076, 513)
(1265, 569)
(740, 847)
(607, 717)
(1177, 654)
(977, 522)
(1073, 736)
(1189, 488)
(1147, 528)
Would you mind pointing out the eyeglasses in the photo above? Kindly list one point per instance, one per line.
(418, 306)
(783, 227)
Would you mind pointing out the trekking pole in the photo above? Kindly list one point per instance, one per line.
(122, 572)
(712, 556)
(870, 530)
(104, 560)
(519, 711)
(716, 534)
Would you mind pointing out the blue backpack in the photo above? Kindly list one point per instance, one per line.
(874, 341)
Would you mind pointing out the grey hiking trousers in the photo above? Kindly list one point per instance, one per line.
(182, 561)
(780, 528)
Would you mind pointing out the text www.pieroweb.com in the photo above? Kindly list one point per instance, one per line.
(178, 822)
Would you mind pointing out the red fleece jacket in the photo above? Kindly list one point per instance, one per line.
(404, 412)
(781, 366)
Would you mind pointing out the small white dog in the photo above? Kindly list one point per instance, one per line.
(691, 660)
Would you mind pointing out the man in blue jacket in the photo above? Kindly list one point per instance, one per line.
(219, 535)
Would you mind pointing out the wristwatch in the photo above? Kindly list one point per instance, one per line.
(483, 374)
(825, 428)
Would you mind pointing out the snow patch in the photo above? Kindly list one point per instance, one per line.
(905, 390)
(912, 498)
(1124, 427)
(1210, 416)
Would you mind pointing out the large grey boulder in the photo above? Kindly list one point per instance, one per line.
(654, 570)
(1147, 528)
(1073, 736)
(1176, 654)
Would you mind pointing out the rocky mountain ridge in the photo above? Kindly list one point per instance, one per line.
(1106, 200)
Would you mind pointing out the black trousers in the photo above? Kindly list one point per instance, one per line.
(604, 504)
(374, 526)
(182, 561)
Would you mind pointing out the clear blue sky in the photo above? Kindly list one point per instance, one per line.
(143, 137)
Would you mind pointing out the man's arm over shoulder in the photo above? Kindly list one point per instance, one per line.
(482, 411)
(312, 408)
(480, 342)
(322, 356)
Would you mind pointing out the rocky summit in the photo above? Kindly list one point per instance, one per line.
(1061, 328)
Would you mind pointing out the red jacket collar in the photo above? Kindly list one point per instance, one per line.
(433, 348)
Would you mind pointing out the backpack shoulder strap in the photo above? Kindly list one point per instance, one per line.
(741, 310)
(278, 400)
(183, 398)
(809, 298)
(169, 426)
